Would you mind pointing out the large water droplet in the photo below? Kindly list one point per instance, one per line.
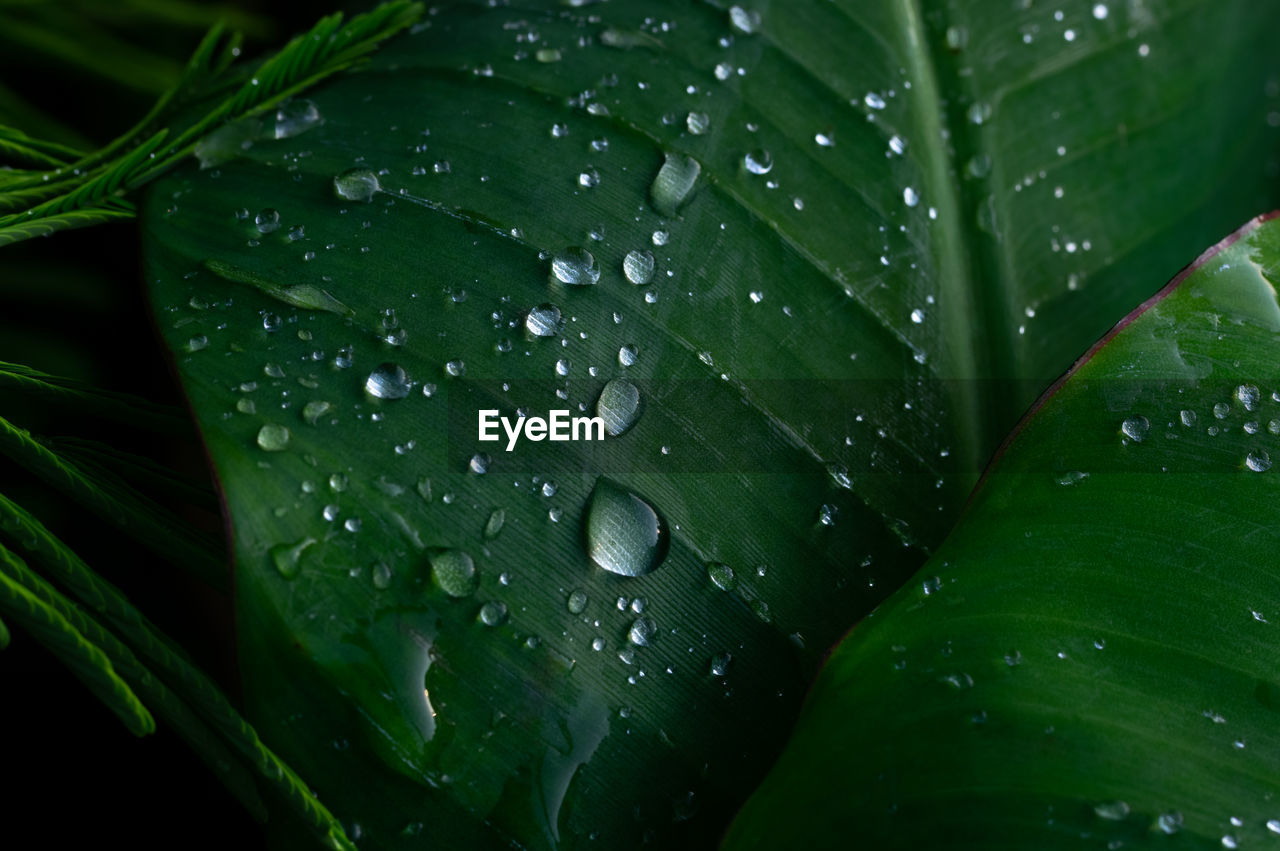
(454, 572)
(543, 320)
(624, 534)
(618, 406)
(356, 184)
(273, 438)
(576, 266)
(638, 266)
(627, 354)
(673, 185)
(388, 381)
(1258, 460)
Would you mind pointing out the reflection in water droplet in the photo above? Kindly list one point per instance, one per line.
(618, 406)
(1258, 460)
(454, 572)
(543, 320)
(575, 266)
(273, 438)
(624, 534)
(356, 184)
(1136, 428)
(388, 381)
(638, 266)
(493, 613)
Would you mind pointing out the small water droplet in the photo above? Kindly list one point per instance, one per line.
(745, 21)
(1112, 810)
(721, 575)
(618, 406)
(672, 187)
(1171, 822)
(356, 184)
(720, 664)
(479, 463)
(494, 524)
(288, 557)
(698, 123)
(493, 613)
(575, 266)
(758, 161)
(295, 117)
(543, 320)
(381, 576)
(454, 572)
(638, 266)
(624, 534)
(909, 197)
(873, 101)
(273, 438)
(1135, 428)
(627, 354)
(388, 381)
(577, 603)
(267, 220)
(314, 410)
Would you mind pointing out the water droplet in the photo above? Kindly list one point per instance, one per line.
(1112, 810)
(979, 112)
(723, 71)
(388, 381)
(1221, 410)
(356, 184)
(381, 576)
(198, 342)
(660, 237)
(1248, 395)
(577, 603)
(698, 123)
(313, 411)
(638, 266)
(287, 557)
(273, 438)
(575, 266)
(1100, 11)
(549, 489)
(721, 575)
(494, 524)
(624, 534)
(745, 21)
(493, 613)
(267, 220)
(642, 632)
(543, 320)
(1072, 477)
(873, 101)
(1135, 428)
(1273, 825)
(618, 406)
(479, 463)
(673, 186)
(454, 572)
(758, 161)
(295, 117)
(1258, 460)
(352, 524)
(1171, 822)
(979, 166)
(917, 316)
(627, 354)
(1188, 418)
(455, 368)
(720, 664)
(442, 167)
(909, 197)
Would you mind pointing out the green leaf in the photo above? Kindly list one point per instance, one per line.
(1090, 653)
(822, 365)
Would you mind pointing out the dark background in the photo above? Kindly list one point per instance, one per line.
(73, 305)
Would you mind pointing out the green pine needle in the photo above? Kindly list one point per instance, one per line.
(91, 188)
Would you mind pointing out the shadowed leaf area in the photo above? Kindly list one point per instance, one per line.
(810, 261)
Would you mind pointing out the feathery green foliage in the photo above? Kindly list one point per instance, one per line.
(49, 201)
(132, 410)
